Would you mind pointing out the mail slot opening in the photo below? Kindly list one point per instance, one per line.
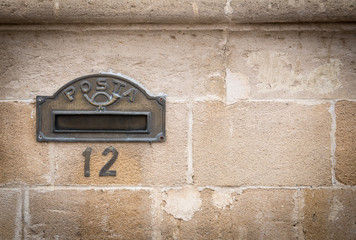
(130, 122)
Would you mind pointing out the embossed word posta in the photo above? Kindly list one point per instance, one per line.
(101, 107)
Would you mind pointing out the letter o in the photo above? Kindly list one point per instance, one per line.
(85, 86)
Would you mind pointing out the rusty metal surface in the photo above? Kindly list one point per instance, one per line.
(101, 107)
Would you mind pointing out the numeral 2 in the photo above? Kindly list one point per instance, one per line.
(105, 169)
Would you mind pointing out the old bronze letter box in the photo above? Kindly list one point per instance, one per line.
(101, 107)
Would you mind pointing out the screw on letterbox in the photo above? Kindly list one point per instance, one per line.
(161, 138)
(161, 99)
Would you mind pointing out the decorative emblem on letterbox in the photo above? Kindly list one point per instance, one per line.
(101, 107)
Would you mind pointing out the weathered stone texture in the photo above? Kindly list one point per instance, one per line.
(106, 11)
(171, 11)
(248, 105)
(89, 214)
(22, 159)
(330, 214)
(138, 163)
(252, 214)
(291, 64)
(142, 11)
(293, 11)
(345, 153)
(10, 214)
(181, 64)
(261, 143)
(16, 11)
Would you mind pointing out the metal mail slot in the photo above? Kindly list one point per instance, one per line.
(101, 107)
(125, 122)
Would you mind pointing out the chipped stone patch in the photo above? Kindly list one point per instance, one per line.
(252, 214)
(237, 86)
(222, 199)
(182, 203)
(277, 71)
(335, 208)
(294, 64)
(325, 79)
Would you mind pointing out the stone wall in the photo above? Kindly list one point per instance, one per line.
(261, 120)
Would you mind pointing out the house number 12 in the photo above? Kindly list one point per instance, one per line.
(105, 169)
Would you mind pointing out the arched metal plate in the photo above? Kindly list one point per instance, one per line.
(101, 107)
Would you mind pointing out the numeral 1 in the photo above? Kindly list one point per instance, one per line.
(105, 169)
(86, 154)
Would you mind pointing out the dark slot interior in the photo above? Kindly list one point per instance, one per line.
(100, 122)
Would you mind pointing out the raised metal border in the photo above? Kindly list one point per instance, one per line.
(161, 99)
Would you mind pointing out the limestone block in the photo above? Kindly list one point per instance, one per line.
(22, 159)
(345, 154)
(261, 143)
(10, 214)
(329, 214)
(88, 214)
